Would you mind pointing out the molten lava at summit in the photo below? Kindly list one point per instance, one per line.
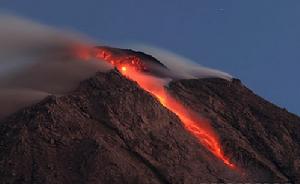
(135, 69)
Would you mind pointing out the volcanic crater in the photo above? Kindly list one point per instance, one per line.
(111, 129)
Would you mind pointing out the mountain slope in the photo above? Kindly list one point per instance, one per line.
(263, 138)
(111, 131)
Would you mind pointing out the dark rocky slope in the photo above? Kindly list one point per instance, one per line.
(263, 138)
(111, 131)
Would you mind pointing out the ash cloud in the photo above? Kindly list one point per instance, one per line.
(37, 60)
(180, 67)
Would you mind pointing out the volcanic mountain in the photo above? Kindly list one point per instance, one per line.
(111, 130)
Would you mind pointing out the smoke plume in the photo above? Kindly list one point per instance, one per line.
(181, 67)
(38, 60)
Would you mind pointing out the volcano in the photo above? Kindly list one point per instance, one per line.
(114, 129)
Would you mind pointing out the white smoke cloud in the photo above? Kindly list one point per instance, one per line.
(181, 67)
(38, 60)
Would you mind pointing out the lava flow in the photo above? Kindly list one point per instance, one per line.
(132, 67)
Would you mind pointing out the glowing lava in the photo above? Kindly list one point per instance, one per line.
(123, 68)
(131, 68)
(198, 127)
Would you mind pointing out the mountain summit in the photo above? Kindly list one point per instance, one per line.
(110, 130)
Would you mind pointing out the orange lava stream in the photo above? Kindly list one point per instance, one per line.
(199, 128)
(193, 123)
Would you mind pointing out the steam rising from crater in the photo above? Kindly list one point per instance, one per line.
(181, 67)
(38, 60)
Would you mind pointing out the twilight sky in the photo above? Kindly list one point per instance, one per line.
(257, 41)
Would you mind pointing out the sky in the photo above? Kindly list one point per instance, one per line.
(257, 41)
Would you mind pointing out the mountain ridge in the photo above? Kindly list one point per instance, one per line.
(110, 130)
(89, 129)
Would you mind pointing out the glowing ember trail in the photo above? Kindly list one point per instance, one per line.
(131, 67)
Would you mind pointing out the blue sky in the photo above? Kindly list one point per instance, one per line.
(257, 41)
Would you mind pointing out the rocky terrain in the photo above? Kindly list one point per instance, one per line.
(109, 130)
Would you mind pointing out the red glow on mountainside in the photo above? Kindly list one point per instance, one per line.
(131, 67)
(197, 126)
(123, 68)
(120, 61)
